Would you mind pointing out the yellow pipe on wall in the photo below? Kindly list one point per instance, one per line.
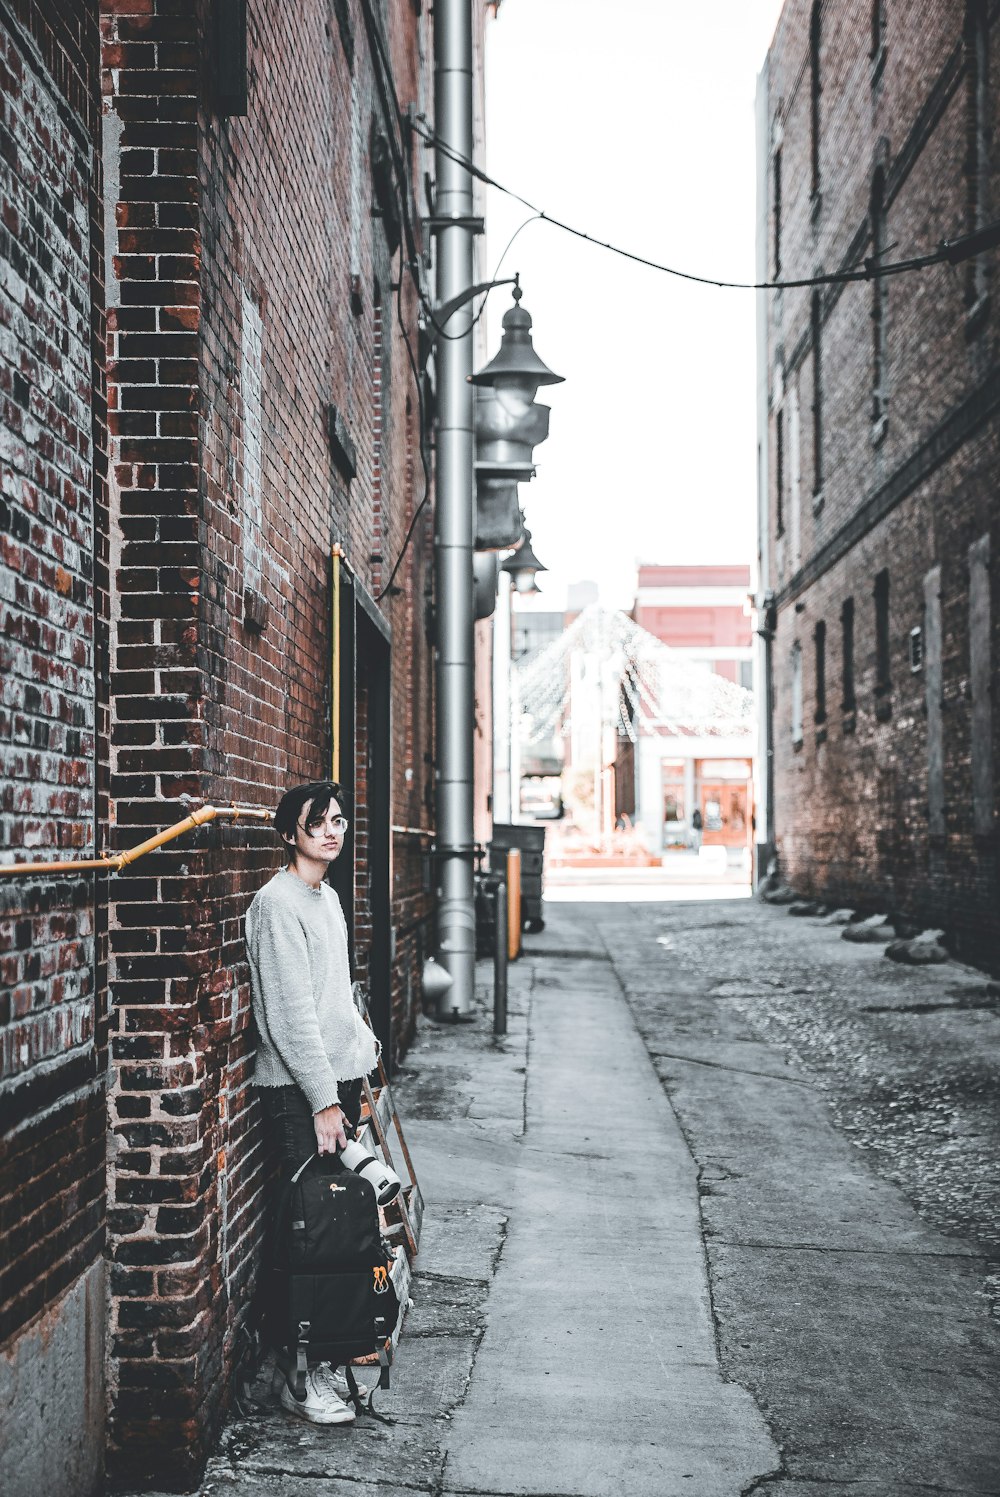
(119, 860)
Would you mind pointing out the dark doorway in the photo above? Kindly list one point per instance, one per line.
(361, 757)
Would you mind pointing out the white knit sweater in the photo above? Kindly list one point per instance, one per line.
(310, 1031)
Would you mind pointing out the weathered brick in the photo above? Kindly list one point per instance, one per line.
(53, 723)
(910, 447)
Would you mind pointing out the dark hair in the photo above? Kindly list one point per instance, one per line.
(320, 792)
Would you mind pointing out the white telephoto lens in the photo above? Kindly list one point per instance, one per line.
(354, 1156)
(384, 1181)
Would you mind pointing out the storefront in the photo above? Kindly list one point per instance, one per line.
(680, 776)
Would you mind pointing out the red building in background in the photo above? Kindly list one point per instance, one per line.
(701, 612)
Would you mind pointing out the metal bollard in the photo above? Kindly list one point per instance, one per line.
(500, 960)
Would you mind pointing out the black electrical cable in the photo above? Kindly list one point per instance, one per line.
(408, 259)
(420, 442)
(950, 252)
(380, 57)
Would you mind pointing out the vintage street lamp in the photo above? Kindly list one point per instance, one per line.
(486, 436)
(504, 442)
(485, 575)
(516, 373)
(523, 567)
(509, 425)
(498, 512)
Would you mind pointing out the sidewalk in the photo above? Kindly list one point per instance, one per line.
(691, 1094)
(561, 1339)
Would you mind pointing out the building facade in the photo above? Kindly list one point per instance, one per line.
(879, 442)
(702, 613)
(216, 450)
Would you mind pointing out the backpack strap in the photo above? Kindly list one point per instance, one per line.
(352, 1388)
(301, 1360)
(384, 1362)
(302, 1166)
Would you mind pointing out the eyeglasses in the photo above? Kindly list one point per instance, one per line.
(338, 824)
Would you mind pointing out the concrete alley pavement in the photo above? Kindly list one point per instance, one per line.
(654, 1262)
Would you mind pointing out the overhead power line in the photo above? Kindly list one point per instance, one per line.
(950, 252)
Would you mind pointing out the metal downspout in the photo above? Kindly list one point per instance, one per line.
(764, 837)
(453, 210)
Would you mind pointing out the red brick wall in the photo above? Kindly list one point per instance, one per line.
(413, 771)
(852, 801)
(249, 268)
(164, 1098)
(53, 702)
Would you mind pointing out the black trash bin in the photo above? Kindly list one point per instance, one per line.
(486, 913)
(531, 841)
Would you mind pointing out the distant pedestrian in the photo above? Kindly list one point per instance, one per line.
(696, 829)
(313, 1048)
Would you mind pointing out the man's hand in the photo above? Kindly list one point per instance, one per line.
(330, 1132)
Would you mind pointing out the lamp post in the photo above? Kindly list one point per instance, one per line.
(510, 383)
(509, 425)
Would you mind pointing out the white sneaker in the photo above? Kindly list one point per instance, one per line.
(322, 1404)
(336, 1379)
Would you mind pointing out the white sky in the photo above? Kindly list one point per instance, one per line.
(632, 119)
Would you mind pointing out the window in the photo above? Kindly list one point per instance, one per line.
(977, 155)
(847, 655)
(819, 640)
(745, 675)
(877, 54)
(815, 37)
(776, 177)
(879, 396)
(882, 681)
(816, 321)
(779, 442)
(797, 694)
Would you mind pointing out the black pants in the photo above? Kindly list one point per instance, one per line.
(290, 1121)
(293, 1136)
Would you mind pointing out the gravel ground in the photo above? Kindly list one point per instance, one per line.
(909, 1058)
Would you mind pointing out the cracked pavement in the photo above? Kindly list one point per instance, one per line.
(717, 1217)
(842, 1111)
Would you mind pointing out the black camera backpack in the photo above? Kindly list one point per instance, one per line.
(331, 1295)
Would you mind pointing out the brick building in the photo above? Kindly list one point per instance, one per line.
(53, 720)
(879, 434)
(206, 393)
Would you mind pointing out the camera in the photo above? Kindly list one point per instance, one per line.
(385, 1181)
